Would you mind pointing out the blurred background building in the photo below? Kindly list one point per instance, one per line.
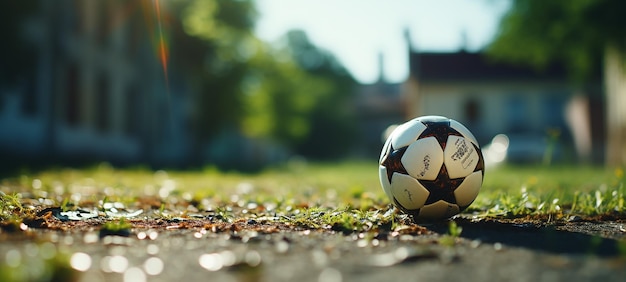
(379, 105)
(529, 106)
(532, 108)
(188, 83)
(93, 92)
(146, 82)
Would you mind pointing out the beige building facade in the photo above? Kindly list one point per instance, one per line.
(492, 98)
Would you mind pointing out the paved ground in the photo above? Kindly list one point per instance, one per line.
(487, 250)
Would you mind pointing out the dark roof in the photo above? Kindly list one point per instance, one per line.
(381, 88)
(474, 66)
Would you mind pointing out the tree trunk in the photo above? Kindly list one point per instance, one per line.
(615, 89)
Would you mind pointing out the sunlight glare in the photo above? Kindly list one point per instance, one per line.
(162, 47)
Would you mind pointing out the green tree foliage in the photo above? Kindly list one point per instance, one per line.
(332, 119)
(301, 96)
(212, 44)
(280, 97)
(297, 95)
(574, 32)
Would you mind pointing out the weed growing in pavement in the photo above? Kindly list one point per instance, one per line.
(103, 203)
(454, 229)
(66, 205)
(9, 204)
(454, 232)
(120, 227)
(11, 210)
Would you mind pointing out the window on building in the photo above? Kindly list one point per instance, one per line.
(516, 113)
(102, 106)
(132, 111)
(72, 106)
(553, 115)
(472, 111)
(103, 22)
(29, 96)
(135, 32)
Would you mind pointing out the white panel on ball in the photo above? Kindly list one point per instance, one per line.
(439, 209)
(384, 181)
(408, 191)
(385, 150)
(423, 158)
(466, 193)
(432, 118)
(463, 130)
(461, 157)
(406, 133)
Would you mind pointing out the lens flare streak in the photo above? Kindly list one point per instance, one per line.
(162, 47)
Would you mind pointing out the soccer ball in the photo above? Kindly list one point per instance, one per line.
(431, 168)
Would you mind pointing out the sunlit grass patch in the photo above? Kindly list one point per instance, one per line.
(556, 190)
(9, 204)
(312, 194)
(311, 200)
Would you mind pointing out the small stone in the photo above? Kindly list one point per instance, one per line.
(497, 247)
(575, 218)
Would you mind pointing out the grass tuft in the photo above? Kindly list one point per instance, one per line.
(345, 197)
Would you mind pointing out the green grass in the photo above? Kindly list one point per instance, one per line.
(559, 190)
(345, 196)
(342, 197)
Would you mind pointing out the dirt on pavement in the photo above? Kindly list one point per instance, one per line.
(202, 248)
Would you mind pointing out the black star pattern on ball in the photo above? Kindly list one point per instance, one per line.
(442, 188)
(393, 162)
(480, 166)
(439, 129)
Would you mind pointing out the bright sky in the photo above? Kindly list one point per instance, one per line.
(356, 31)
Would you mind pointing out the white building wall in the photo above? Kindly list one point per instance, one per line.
(493, 99)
